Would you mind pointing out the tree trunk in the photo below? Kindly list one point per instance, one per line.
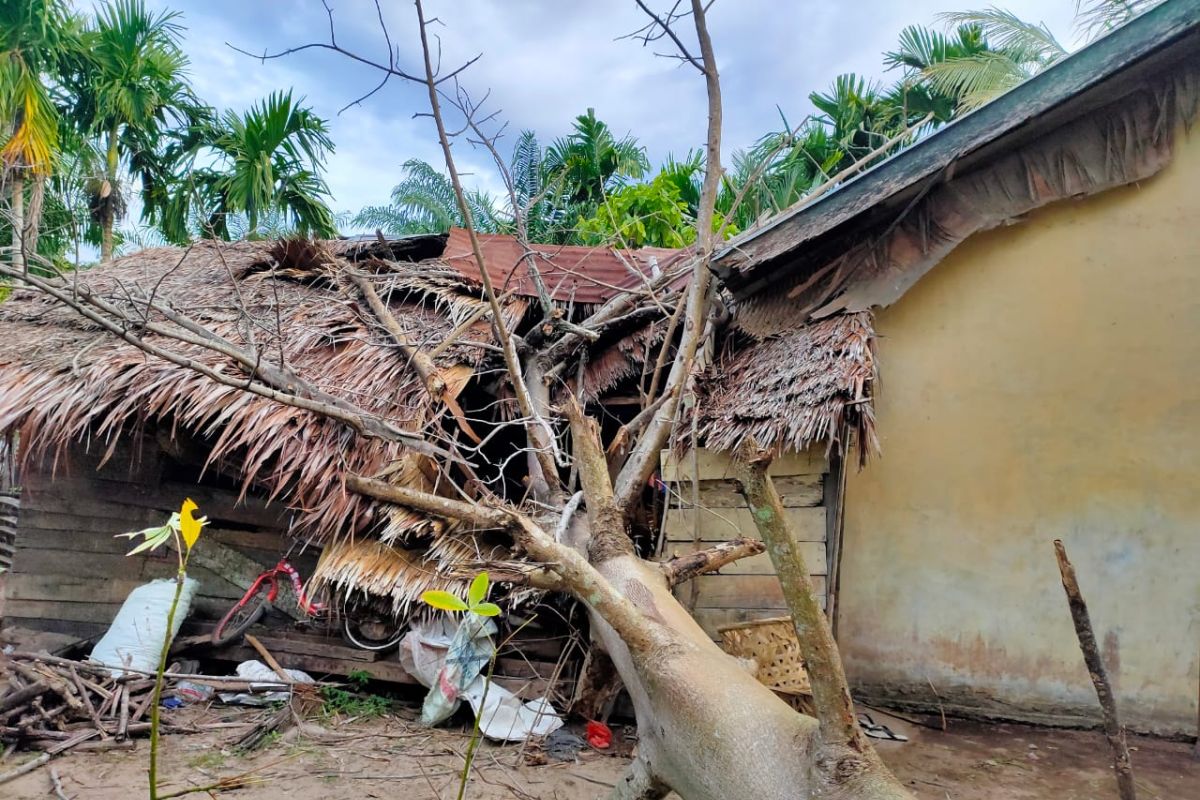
(17, 211)
(108, 212)
(33, 213)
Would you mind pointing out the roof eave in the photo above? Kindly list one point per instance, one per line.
(1099, 62)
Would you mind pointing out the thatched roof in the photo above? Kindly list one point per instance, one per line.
(797, 388)
(65, 383)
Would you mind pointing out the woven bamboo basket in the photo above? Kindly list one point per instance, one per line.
(772, 645)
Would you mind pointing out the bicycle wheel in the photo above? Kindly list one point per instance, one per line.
(371, 634)
(239, 618)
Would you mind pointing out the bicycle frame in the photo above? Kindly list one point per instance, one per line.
(310, 607)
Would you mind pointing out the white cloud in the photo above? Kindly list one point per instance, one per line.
(545, 61)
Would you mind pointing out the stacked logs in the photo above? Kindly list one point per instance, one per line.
(48, 703)
(52, 704)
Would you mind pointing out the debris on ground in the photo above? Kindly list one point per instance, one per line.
(450, 659)
(53, 704)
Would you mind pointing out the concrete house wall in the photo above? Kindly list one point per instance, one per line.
(1042, 382)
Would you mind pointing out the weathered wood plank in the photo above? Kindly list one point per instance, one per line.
(72, 541)
(132, 519)
(82, 630)
(61, 564)
(814, 557)
(797, 491)
(745, 591)
(721, 525)
(716, 466)
(74, 589)
(95, 612)
(116, 500)
(70, 612)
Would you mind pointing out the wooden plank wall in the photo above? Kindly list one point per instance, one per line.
(747, 589)
(70, 574)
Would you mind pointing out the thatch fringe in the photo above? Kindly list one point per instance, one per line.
(793, 390)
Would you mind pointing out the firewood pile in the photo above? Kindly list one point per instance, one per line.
(52, 704)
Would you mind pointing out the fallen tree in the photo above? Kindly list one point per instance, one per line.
(708, 729)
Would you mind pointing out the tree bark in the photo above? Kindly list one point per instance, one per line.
(108, 215)
(1113, 731)
(17, 211)
(831, 692)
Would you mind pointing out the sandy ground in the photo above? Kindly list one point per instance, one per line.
(391, 757)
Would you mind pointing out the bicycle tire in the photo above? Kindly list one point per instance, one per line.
(373, 645)
(234, 624)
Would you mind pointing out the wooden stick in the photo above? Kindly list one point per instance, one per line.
(56, 785)
(30, 766)
(267, 657)
(232, 684)
(123, 725)
(22, 696)
(1091, 657)
(831, 692)
(87, 703)
(1196, 750)
(141, 707)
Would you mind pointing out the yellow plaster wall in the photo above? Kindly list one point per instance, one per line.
(1042, 382)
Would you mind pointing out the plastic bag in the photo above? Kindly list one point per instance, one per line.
(449, 659)
(256, 672)
(135, 638)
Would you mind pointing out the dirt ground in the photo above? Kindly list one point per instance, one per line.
(391, 757)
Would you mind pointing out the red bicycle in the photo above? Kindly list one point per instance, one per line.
(362, 626)
(254, 603)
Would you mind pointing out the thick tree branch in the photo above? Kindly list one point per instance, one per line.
(684, 568)
(422, 363)
(540, 434)
(578, 576)
(831, 692)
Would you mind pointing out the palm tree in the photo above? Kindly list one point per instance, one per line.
(920, 50)
(131, 91)
(33, 37)
(424, 202)
(269, 161)
(993, 50)
(590, 160)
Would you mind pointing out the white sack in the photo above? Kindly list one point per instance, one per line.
(135, 638)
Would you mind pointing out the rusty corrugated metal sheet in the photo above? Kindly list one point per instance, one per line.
(582, 274)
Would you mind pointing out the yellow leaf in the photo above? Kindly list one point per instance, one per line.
(443, 601)
(189, 526)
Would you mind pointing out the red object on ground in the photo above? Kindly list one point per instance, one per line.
(599, 735)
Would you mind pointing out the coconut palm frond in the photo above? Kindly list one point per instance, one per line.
(976, 79)
(1094, 18)
(1004, 29)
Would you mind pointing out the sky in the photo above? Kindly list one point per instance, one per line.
(541, 63)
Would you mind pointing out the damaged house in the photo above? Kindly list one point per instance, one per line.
(963, 353)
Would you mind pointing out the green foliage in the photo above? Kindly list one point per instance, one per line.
(641, 214)
(35, 38)
(268, 160)
(424, 202)
(475, 603)
(343, 702)
(359, 678)
(590, 161)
